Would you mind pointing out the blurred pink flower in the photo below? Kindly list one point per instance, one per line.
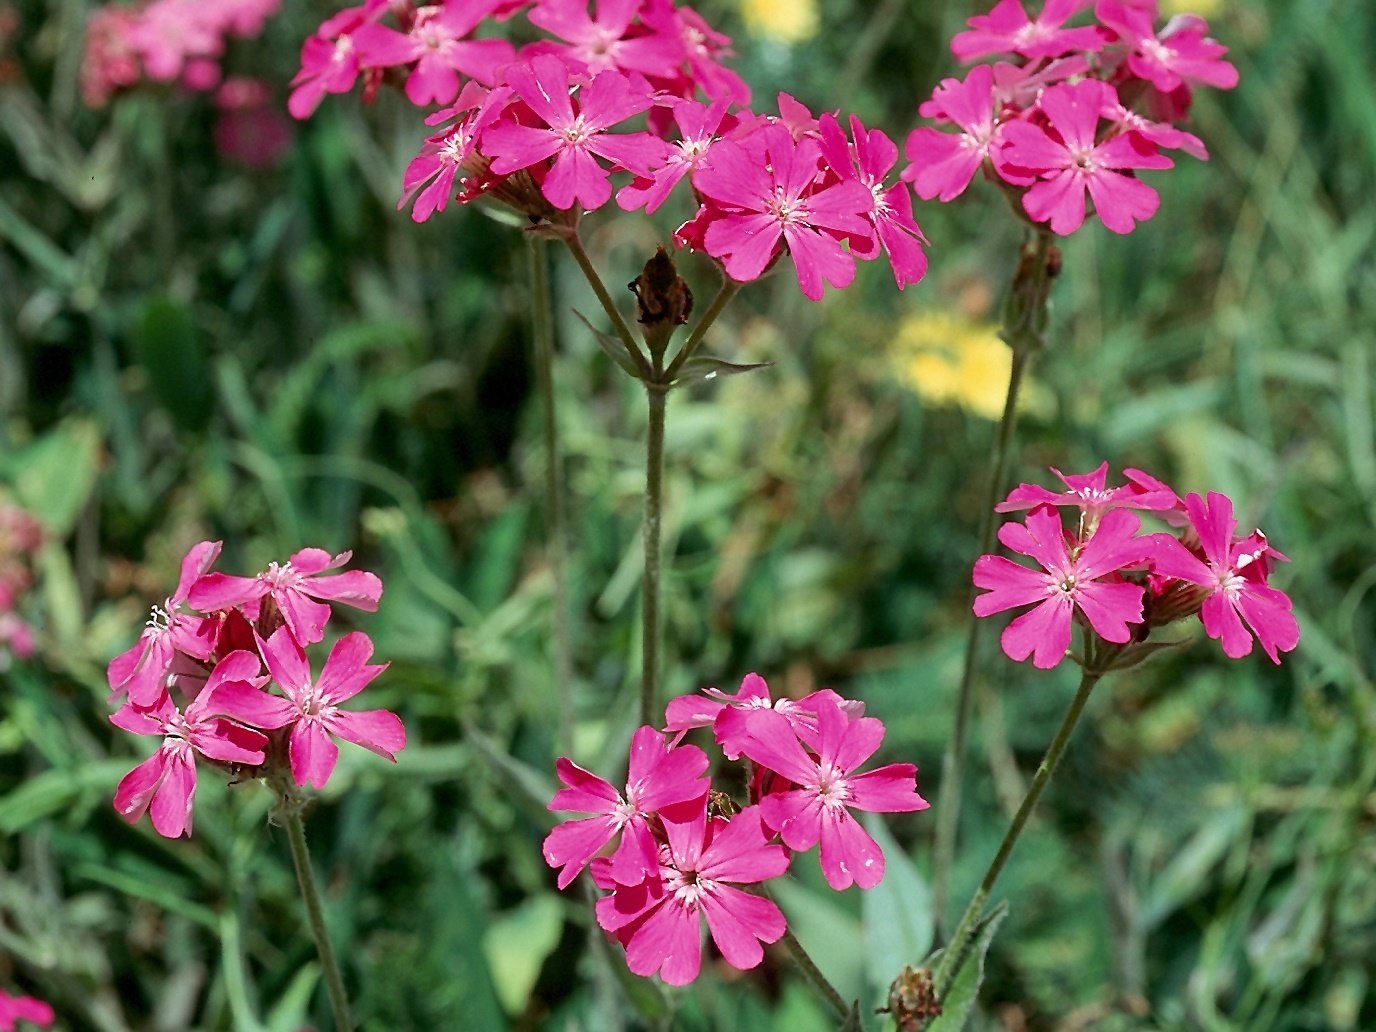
(430, 176)
(1007, 29)
(250, 129)
(605, 41)
(23, 1008)
(438, 49)
(1182, 54)
(1089, 492)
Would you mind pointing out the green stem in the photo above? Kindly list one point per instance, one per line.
(959, 946)
(623, 330)
(1024, 330)
(305, 877)
(543, 332)
(953, 763)
(729, 289)
(657, 395)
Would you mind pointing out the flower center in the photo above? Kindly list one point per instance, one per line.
(279, 575)
(159, 619)
(1157, 51)
(831, 786)
(575, 132)
(788, 210)
(1032, 32)
(688, 889)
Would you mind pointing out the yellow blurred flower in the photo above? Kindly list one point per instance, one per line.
(1203, 8)
(947, 358)
(790, 21)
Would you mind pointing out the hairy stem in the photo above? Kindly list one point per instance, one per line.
(310, 894)
(1024, 327)
(808, 966)
(542, 304)
(959, 946)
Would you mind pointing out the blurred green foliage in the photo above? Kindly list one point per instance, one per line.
(278, 358)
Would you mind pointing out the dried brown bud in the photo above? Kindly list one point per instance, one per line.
(663, 300)
(912, 999)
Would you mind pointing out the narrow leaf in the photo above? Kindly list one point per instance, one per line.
(960, 998)
(611, 346)
(701, 368)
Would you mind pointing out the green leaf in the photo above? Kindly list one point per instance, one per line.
(611, 346)
(960, 998)
(897, 912)
(54, 475)
(700, 368)
(170, 350)
(516, 944)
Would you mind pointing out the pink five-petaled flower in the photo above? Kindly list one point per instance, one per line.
(329, 62)
(1007, 29)
(698, 870)
(827, 789)
(698, 126)
(23, 1008)
(765, 186)
(1235, 575)
(601, 43)
(1181, 54)
(294, 587)
(142, 670)
(658, 777)
(1068, 579)
(1072, 162)
(311, 708)
(868, 160)
(1090, 493)
(942, 164)
(573, 139)
(437, 45)
(728, 714)
(165, 783)
(430, 175)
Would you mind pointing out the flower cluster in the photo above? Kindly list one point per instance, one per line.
(682, 847)
(23, 1008)
(20, 538)
(542, 129)
(207, 645)
(1068, 110)
(164, 41)
(1119, 583)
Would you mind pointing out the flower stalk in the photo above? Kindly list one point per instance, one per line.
(315, 916)
(1025, 318)
(543, 332)
(959, 946)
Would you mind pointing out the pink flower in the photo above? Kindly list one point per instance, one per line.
(574, 140)
(311, 708)
(1163, 134)
(1007, 29)
(15, 636)
(1181, 54)
(867, 160)
(165, 783)
(1234, 572)
(728, 715)
(430, 176)
(658, 777)
(698, 127)
(600, 43)
(142, 670)
(437, 45)
(942, 164)
(23, 1008)
(1069, 579)
(294, 587)
(765, 187)
(698, 870)
(827, 789)
(329, 61)
(1088, 492)
(702, 47)
(1073, 161)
